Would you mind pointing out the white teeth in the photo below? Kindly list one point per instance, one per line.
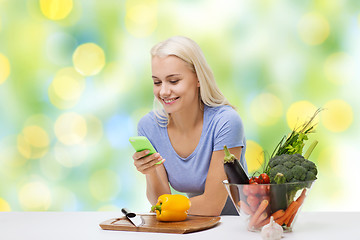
(169, 100)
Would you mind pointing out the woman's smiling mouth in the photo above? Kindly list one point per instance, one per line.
(170, 101)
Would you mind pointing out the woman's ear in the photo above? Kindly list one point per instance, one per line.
(198, 84)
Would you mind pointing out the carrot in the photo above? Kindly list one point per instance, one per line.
(288, 212)
(261, 218)
(286, 221)
(263, 205)
(300, 200)
(263, 223)
(278, 214)
(243, 206)
(302, 196)
(291, 220)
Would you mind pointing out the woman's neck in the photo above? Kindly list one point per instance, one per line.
(186, 121)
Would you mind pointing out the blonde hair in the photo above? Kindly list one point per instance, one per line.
(190, 52)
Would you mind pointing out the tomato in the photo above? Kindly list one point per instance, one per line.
(253, 202)
(264, 178)
(263, 190)
(253, 180)
(246, 190)
(265, 198)
(253, 188)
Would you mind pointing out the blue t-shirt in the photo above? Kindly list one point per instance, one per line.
(221, 126)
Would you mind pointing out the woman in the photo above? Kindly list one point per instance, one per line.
(189, 130)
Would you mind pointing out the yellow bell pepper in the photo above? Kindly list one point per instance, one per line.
(171, 207)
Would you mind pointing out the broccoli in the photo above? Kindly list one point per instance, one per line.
(294, 168)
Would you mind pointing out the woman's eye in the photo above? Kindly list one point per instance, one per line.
(157, 83)
(174, 81)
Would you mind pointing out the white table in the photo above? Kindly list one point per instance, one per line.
(85, 225)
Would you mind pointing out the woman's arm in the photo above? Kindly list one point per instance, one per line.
(156, 177)
(157, 184)
(212, 201)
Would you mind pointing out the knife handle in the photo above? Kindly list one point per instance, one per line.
(128, 213)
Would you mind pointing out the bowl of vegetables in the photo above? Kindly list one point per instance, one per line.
(279, 192)
(257, 203)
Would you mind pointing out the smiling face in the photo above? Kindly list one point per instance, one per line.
(175, 85)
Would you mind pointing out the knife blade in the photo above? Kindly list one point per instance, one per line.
(137, 220)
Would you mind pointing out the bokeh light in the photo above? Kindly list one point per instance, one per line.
(10, 157)
(35, 196)
(70, 156)
(313, 28)
(338, 115)
(66, 88)
(33, 142)
(299, 113)
(56, 9)
(68, 84)
(141, 17)
(52, 169)
(36, 136)
(254, 156)
(64, 198)
(4, 68)
(4, 206)
(24, 147)
(89, 59)
(42, 121)
(266, 109)
(119, 125)
(70, 128)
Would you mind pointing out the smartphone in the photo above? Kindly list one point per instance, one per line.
(141, 143)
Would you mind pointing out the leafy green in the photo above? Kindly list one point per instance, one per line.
(295, 142)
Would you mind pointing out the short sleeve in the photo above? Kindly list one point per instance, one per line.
(229, 130)
(145, 126)
(141, 127)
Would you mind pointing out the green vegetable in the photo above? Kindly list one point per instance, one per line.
(310, 149)
(294, 168)
(279, 178)
(295, 142)
(278, 198)
(287, 165)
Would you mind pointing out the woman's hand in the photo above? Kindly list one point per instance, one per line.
(148, 164)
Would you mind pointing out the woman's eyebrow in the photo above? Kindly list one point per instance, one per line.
(168, 76)
(173, 75)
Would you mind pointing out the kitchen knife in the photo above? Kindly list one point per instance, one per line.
(137, 220)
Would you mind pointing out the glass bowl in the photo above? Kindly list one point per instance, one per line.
(255, 203)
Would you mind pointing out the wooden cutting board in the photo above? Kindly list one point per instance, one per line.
(191, 224)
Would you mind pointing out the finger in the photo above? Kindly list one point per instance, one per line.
(138, 155)
(148, 162)
(150, 168)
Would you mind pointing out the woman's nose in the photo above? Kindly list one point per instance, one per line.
(165, 90)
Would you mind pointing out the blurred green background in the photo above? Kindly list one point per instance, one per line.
(75, 79)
